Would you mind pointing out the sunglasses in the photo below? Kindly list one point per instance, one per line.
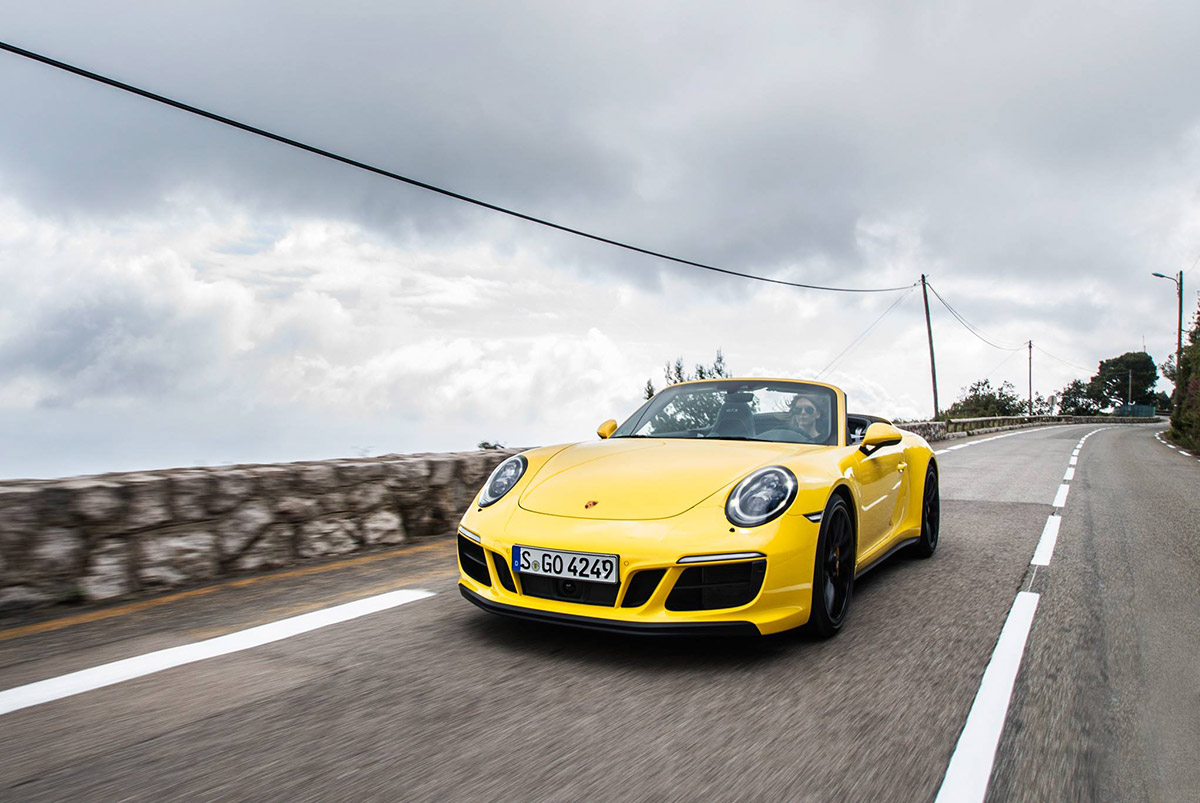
(806, 409)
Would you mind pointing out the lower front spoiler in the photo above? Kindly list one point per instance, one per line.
(612, 626)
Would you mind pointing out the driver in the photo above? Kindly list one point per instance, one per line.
(803, 416)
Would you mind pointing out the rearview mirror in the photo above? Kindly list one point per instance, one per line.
(879, 435)
(607, 428)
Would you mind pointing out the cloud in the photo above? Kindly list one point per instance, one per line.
(1035, 162)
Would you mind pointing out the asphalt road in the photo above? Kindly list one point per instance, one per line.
(436, 700)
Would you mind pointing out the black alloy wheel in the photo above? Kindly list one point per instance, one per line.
(833, 574)
(931, 516)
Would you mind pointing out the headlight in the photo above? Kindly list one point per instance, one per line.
(502, 479)
(761, 497)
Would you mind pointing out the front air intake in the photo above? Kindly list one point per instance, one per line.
(586, 592)
(641, 587)
(473, 561)
(501, 566)
(719, 585)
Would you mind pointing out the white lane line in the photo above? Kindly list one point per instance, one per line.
(1045, 547)
(1186, 454)
(971, 763)
(1074, 459)
(1060, 498)
(998, 437)
(1070, 475)
(1076, 452)
(98, 677)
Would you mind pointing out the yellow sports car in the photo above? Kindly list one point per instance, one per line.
(721, 506)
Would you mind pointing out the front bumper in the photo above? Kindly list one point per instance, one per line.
(613, 625)
(672, 600)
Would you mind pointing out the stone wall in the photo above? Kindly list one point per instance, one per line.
(941, 430)
(101, 537)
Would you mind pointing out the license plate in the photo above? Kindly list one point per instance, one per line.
(569, 565)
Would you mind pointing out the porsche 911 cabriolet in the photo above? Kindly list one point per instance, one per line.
(731, 506)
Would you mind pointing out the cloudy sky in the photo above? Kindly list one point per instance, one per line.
(174, 292)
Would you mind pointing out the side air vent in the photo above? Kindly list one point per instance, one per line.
(641, 587)
(473, 561)
(720, 585)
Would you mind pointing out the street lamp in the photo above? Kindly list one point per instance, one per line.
(1178, 332)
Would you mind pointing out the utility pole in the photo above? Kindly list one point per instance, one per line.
(929, 331)
(1179, 346)
(1031, 379)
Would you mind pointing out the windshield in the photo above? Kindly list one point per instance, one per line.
(790, 412)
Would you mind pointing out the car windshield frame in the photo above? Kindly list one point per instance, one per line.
(737, 415)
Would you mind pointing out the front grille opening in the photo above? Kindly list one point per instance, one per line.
(585, 591)
(473, 561)
(720, 585)
(641, 587)
(502, 572)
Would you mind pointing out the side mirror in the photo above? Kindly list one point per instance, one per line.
(879, 435)
(606, 429)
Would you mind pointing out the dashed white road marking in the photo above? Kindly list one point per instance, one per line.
(971, 763)
(1045, 547)
(98, 677)
(970, 768)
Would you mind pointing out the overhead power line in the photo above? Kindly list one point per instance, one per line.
(971, 327)
(866, 331)
(1060, 359)
(414, 182)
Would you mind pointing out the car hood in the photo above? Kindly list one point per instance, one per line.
(636, 478)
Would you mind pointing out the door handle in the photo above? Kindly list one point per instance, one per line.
(902, 466)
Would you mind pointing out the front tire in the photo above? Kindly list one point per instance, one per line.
(931, 516)
(833, 572)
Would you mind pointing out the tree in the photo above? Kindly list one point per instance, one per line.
(1042, 405)
(981, 400)
(1074, 399)
(1130, 377)
(1185, 420)
(673, 373)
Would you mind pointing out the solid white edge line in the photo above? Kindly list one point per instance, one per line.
(1045, 547)
(970, 766)
(97, 677)
(1070, 475)
(1060, 498)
